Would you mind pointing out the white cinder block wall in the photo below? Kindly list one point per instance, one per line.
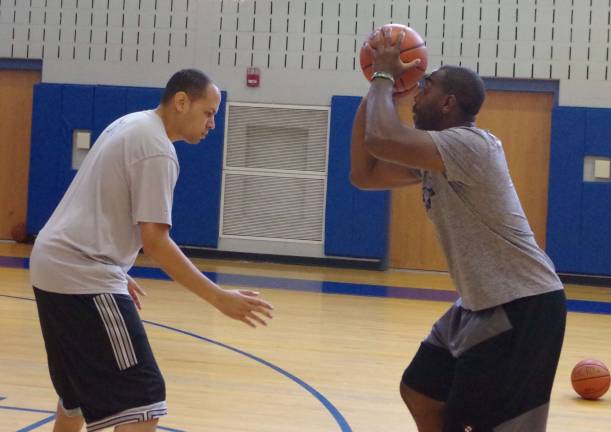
(307, 50)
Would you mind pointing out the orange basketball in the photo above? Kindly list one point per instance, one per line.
(590, 379)
(413, 47)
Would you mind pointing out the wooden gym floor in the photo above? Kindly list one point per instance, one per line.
(330, 360)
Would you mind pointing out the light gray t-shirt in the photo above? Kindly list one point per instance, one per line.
(92, 238)
(491, 251)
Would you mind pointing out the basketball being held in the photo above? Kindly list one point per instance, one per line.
(412, 48)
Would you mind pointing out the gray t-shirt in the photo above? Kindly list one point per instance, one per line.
(92, 238)
(491, 251)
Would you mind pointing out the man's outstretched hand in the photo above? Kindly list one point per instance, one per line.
(245, 306)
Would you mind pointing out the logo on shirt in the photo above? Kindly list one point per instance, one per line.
(427, 194)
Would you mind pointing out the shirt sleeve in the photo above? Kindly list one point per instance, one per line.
(466, 154)
(152, 182)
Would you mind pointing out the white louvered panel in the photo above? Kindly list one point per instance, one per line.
(273, 207)
(276, 138)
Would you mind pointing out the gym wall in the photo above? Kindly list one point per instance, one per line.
(307, 52)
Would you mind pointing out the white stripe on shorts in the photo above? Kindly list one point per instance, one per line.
(116, 330)
(132, 415)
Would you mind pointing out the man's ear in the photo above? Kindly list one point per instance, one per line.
(181, 101)
(449, 104)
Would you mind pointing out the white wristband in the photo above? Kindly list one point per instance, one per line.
(384, 75)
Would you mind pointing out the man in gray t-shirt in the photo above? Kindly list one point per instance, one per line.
(489, 362)
(120, 201)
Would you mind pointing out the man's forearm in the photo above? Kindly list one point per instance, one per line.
(174, 262)
(362, 163)
(382, 118)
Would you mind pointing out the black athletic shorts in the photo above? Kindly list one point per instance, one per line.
(494, 368)
(100, 360)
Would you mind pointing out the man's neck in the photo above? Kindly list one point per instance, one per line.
(452, 123)
(165, 117)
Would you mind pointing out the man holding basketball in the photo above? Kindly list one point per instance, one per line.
(100, 361)
(489, 363)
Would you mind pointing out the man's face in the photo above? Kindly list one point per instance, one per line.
(427, 109)
(197, 116)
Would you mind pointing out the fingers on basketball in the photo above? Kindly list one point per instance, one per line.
(412, 48)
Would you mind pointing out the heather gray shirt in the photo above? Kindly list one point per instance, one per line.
(491, 251)
(92, 239)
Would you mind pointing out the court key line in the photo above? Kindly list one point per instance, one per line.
(337, 416)
(34, 425)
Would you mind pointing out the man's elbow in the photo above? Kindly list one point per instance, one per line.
(359, 180)
(149, 247)
(374, 144)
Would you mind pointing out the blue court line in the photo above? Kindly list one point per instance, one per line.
(16, 298)
(341, 421)
(52, 417)
(37, 424)
(14, 262)
(337, 416)
(585, 306)
(325, 287)
(34, 425)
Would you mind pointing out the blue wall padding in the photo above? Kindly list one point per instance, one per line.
(579, 222)
(197, 199)
(356, 222)
(142, 98)
(565, 187)
(58, 109)
(77, 113)
(108, 105)
(47, 155)
(596, 199)
(598, 132)
(596, 229)
(57, 112)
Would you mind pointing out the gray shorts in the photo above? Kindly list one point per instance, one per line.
(494, 368)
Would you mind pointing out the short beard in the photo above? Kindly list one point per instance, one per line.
(429, 121)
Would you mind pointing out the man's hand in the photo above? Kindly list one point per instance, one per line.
(387, 55)
(405, 97)
(135, 291)
(243, 305)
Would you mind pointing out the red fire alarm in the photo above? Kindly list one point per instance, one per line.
(253, 77)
